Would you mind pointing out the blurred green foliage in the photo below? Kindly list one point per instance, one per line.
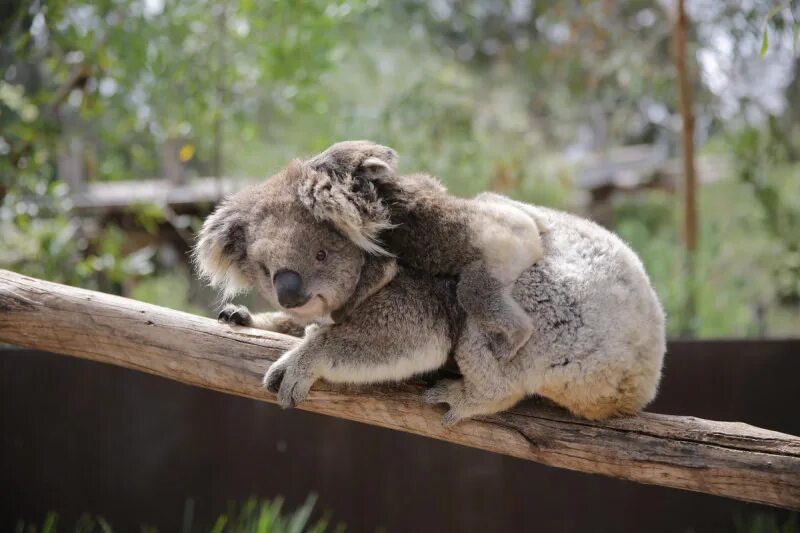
(253, 516)
(171, 289)
(486, 94)
(767, 523)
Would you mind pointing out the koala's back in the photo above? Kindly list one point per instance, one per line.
(599, 327)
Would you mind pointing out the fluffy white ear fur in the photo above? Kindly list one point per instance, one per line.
(351, 204)
(221, 245)
(373, 163)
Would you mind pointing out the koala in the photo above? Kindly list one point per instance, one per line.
(265, 238)
(486, 245)
(599, 343)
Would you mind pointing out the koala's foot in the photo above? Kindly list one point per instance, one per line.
(238, 315)
(465, 401)
(444, 391)
(451, 392)
(490, 305)
(289, 380)
(506, 342)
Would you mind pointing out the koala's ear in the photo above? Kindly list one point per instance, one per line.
(349, 202)
(374, 168)
(221, 248)
(348, 157)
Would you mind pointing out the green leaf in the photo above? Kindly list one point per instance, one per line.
(49, 525)
(105, 527)
(764, 42)
(219, 525)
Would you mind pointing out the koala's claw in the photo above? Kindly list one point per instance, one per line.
(273, 378)
(451, 418)
(235, 314)
(294, 388)
(288, 382)
(454, 393)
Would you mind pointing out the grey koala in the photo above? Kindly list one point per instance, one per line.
(486, 245)
(599, 342)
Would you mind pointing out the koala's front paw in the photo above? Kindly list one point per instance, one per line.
(274, 376)
(289, 381)
(235, 314)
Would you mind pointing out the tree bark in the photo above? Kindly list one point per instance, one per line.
(723, 458)
(685, 103)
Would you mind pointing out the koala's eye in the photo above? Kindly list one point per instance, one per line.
(265, 270)
(322, 255)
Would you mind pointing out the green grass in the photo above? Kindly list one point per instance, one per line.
(254, 516)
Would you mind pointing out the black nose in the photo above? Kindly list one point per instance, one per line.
(289, 288)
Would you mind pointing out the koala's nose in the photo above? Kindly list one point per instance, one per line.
(289, 288)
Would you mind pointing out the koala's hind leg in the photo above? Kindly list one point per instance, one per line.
(489, 302)
(466, 400)
(488, 386)
(509, 241)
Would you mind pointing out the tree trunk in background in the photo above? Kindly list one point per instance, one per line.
(172, 168)
(217, 161)
(688, 326)
(70, 164)
(791, 115)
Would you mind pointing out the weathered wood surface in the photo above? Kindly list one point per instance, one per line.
(121, 195)
(724, 458)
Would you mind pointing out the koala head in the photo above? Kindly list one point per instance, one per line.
(292, 238)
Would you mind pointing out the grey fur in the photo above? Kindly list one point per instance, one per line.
(346, 157)
(487, 245)
(599, 342)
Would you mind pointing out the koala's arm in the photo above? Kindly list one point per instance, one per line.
(400, 331)
(278, 321)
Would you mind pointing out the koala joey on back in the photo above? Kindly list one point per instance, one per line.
(485, 244)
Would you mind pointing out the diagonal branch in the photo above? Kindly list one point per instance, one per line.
(723, 458)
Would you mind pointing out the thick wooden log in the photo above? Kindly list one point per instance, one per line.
(724, 458)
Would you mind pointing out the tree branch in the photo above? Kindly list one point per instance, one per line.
(723, 458)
